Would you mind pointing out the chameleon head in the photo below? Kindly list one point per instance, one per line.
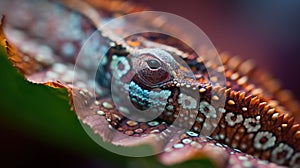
(155, 73)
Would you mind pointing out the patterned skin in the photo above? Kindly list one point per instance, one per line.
(247, 123)
(250, 125)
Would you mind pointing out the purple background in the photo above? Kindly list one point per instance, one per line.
(265, 31)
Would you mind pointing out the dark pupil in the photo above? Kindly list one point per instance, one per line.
(153, 64)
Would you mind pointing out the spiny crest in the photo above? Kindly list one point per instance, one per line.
(250, 122)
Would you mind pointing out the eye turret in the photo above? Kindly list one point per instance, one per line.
(154, 67)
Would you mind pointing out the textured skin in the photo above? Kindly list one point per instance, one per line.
(256, 121)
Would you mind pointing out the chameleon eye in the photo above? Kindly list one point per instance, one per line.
(153, 64)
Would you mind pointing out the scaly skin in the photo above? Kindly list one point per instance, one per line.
(248, 124)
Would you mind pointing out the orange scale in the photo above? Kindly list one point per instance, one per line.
(230, 133)
(247, 139)
(237, 138)
(241, 143)
(217, 130)
(265, 155)
(133, 43)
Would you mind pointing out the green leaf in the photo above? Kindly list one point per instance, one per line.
(42, 111)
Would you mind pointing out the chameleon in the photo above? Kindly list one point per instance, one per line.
(258, 126)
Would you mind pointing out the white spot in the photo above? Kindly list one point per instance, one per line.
(154, 131)
(263, 162)
(237, 118)
(192, 134)
(192, 115)
(169, 113)
(68, 76)
(157, 98)
(100, 112)
(168, 149)
(247, 164)
(244, 108)
(252, 124)
(187, 102)
(186, 141)
(257, 117)
(243, 146)
(196, 128)
(280, 149)
(52, 75)
(234, 145)
(196, 145)
(123, 110)
(59, 67)
(103, 61)
(115, 66)
(153, 123)
(178, 146)
(264, 140)
(219, 145)
(199, 119)
(68, 49)
(237, 150)
(221, 136)
(222, 110)
(117, 117)
(44, 54)
(294, 159)
(222, 125)
(242, 158)
(107, 105)
(207, 109)
(170, 107)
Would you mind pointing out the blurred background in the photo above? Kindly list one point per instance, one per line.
(266, 31)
